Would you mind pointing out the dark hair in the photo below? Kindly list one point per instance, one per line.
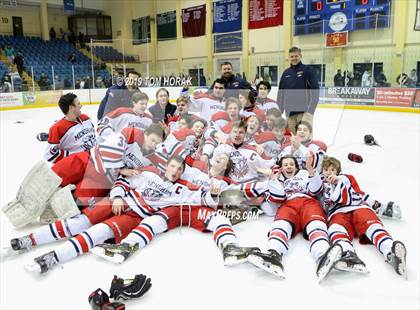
(219, 81)
(156, 129)
(201, 120)
(162, 89)
(187, 118)
(265, 83)
(137, 96)
(66, 101)
(240, 124)
(226, 63)
(295, 49)
(280, 162)
(133, 72)
(273, 111)
(305, 124)
(248, 94)
(177, 159)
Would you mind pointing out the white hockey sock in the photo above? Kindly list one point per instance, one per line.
(221, 227)
(318, 238)
(83, 242)
(338, 234)
(279, 235)
(61, 229)
(378, 235)
(148, 228)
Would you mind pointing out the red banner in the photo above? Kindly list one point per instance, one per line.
(265, 13)
(337, 39)
(194, 21)
(396, 97)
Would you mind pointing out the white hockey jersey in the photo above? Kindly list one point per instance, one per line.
(300, 185)
(344, 197)
(66, 137)
(150, 192)
(206, 104)
(266, 104)
(119, 119)
(317, 148)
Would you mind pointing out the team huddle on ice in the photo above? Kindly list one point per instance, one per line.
(137, 175)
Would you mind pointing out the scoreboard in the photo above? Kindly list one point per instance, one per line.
(327, 16)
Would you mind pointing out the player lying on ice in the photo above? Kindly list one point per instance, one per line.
(350, 214)
(132, 200)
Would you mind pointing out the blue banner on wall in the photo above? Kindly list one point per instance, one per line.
(69, 6)
(227, 16)
(228, 42)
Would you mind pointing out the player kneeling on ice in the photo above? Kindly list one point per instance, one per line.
(182, 211)
(350, 213)
(131, 200)
(294, 190)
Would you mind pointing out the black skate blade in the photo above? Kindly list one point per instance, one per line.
(332, 258)
(356, 268)
(260, 263)
(401, 253)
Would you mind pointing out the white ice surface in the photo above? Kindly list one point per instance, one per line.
(185, 265)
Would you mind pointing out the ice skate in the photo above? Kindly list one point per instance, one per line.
(43, 263)
(234, 255)
(397, 258)
(349, 261)
(390, 210)
(327, 261)
(17, 246)
(270, 262)
(116, 253)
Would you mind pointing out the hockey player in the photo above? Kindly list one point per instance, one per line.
(182, 104)
(207, 103)
(231, 113)
(187, 212)
(351, 213)
(74, 133)
(248, 102)
(302, 144)
(293, 190)
(245, 157)
(263, 102)
(92, 173)
(274, 141)
(121, 118)
(131, 200)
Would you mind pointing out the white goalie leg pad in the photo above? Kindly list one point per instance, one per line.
(62, 203)
(37, 187)
(48, 216)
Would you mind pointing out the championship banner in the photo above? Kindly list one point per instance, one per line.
(141, 30)
(194, 21)
(353, 95)
(166, 26)
(228, 42)
(395, 97)
(265, 13)
(227, 16)
(68, 6)
(337, 39)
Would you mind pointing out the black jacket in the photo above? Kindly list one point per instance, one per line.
(298, 90)
(159, 115)
(234, 84)
(115, 97)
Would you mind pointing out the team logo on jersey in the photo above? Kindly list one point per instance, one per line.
(152, 194)
(89, 142)
(292, 186)
(240, 165)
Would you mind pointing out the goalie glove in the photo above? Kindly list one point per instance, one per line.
(124, 289)
(98, 299)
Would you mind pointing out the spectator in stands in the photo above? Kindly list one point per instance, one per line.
(19, 61)
(202, 79)
(348, 78)
(99, 83)
(6, 83)
(88, 83)
(338, 79)
(381, 80)
(72, 38)
(234, 83)
(10, 53)
(298, 92)
(67, 83)
(119, 95)
(78, 83)
(16, 79)
(53, 35)
(413, 79)
(44, 82)
(81, 39)
(72, 58)
(162, 109)
(366, 79)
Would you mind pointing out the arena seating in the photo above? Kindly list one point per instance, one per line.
(110, 54)
(42, 55)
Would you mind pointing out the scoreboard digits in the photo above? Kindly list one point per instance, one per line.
(327, 16)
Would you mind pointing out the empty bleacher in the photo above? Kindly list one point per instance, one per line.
(110, 54)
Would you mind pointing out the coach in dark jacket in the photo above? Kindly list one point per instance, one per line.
(298, 92)
(119, 95)
(233, 83)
